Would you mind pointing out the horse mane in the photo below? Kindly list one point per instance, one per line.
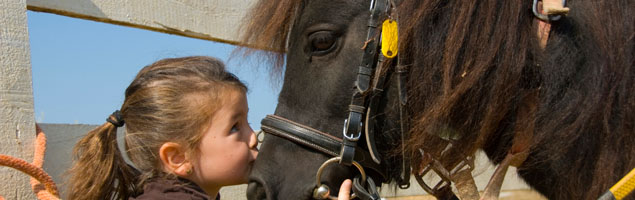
(474, 61)
(485, 57)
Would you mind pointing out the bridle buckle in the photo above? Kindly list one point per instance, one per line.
(352, 137)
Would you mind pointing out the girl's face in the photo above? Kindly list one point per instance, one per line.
(228, 147)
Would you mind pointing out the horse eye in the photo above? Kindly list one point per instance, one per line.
(322, 41)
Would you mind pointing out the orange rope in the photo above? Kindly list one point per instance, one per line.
(41, 183)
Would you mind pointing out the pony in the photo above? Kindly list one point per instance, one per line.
(477, 78)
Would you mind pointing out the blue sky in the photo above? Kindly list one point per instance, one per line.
(81, 68)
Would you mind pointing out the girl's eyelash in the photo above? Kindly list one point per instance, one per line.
(234, 128)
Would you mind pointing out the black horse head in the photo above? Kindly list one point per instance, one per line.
(323, 59)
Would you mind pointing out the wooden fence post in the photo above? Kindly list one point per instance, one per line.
(17, 123)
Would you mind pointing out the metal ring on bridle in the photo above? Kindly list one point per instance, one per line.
(544, 17)
(335, 160)
(258, 134)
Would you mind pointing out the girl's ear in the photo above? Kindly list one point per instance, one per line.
(174, 160)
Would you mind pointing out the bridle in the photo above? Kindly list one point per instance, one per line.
(364, 104)
(365, 99)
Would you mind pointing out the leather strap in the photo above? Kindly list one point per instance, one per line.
(404, 122)
(301, 134)
(317, 140)
(352, 130)
(465, 185)
(372, 42)
(519, 151)
(353, 126)
(361, 192)
(373, 103)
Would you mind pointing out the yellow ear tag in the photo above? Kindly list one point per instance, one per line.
(389, 38)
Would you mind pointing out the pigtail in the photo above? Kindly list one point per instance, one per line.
(99, 170)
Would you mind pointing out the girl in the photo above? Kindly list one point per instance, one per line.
(186, 135)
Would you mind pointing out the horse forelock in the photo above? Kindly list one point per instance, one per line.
(267, 27)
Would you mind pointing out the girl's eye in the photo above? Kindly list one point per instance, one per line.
(234, 128)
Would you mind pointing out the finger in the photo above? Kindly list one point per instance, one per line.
(345, 190)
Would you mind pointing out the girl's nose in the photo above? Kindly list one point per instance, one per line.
(253, 144)
(253, 140)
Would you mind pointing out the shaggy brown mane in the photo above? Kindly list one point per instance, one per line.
(486, 59)
(473, 61)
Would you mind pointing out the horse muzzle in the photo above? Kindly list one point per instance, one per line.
(257, 191)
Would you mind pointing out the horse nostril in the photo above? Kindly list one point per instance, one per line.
(255, 191)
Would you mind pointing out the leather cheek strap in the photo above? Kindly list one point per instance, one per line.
(363, 194)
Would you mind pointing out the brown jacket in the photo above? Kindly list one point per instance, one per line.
(179, 189)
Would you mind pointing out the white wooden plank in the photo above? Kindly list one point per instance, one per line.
(17, 128)
(215, 20)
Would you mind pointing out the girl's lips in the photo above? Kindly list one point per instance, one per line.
(254, 155)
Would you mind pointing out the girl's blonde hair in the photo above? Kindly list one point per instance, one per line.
(171, 100)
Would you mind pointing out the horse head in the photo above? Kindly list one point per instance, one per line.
(323, 59)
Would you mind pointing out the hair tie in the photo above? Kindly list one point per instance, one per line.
(115, 119)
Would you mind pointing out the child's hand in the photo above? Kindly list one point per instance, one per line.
(345, 190)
